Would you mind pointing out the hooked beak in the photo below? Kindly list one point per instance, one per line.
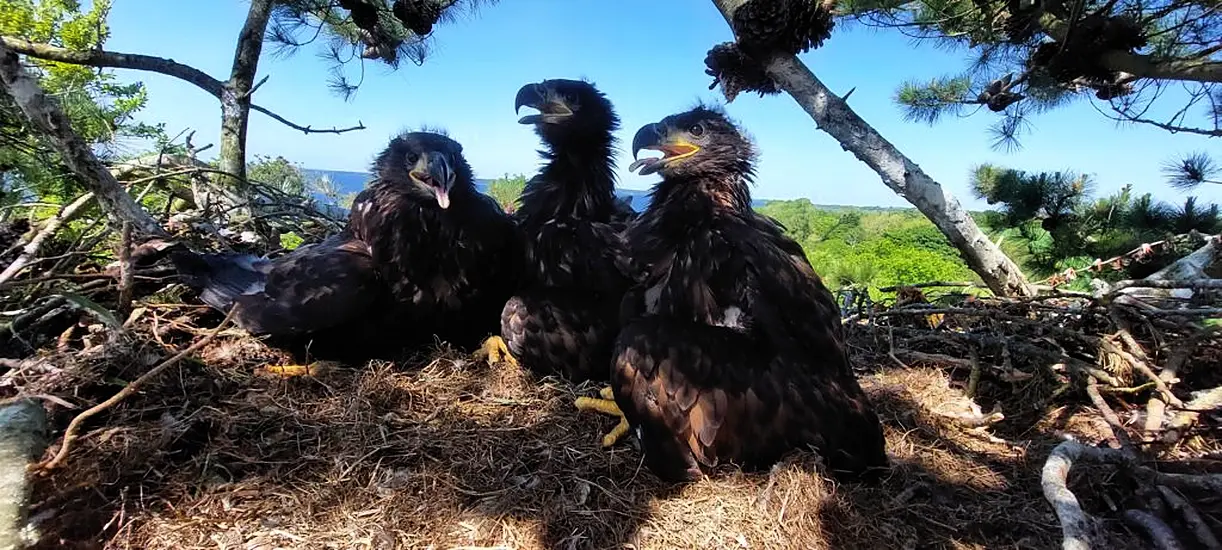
(433, 171)
(535, 96)
(656, 137)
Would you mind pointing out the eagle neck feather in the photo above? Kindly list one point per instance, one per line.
(578, 181)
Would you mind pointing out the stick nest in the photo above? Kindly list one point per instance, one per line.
(436, 451)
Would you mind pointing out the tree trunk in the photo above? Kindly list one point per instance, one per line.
(51, 120)
(832, 115)
(235, 95)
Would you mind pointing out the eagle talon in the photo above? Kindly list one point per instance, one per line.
(606, 405)
(493, 351)
(317, 368)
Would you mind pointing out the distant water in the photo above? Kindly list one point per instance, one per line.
(348, 182)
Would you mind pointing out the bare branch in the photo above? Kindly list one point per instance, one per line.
(117, 60)
(140, 62)
(308, 129)
(35, 244)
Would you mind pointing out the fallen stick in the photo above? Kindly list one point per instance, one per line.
(125, 270)
(1077, 528)
(1193, 519)
(1202, 401)
(1109, 415)
(1159, 532)
(70, 434)
(31, 248)
(23, 438)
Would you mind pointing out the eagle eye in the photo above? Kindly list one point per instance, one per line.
(696, 130)
(412, 157)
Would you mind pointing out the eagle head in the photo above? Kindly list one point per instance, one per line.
(427, 165)
(568, 109)
(701, 142)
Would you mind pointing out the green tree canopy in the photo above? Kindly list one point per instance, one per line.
(100, 107)
(1061, 224)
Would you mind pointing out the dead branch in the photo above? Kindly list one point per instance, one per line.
(1113, 421)
(932, 284)
(45, 115)
(23, 437)
(973, 380)
(1192, 518)
(1077, 528)
(1159, 532)
(52, 225)
(125, 269)
(1202, 401)
(70, 434)
(1145, 369)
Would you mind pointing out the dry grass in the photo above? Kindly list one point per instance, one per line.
(452, 454)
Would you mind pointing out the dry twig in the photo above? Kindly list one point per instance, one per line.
(70, 434)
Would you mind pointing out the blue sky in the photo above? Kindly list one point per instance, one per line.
(647, 56)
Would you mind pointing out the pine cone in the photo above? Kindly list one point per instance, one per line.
(364, 15)
(417, 15)
(790, 26)
(737, 72)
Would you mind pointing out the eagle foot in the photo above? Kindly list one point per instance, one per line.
(493, 351)
(606, 404)
(317, 368)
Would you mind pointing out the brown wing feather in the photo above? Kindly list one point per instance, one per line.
(704, 395)
(316, 288)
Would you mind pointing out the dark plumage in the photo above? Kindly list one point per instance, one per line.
(732, 349)
(564, 318)
(424, 254)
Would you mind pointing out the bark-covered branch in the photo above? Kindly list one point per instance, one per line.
(116, 60)
(833, 115)
(76, 154)
(1196, 69)
(149, 63)
(1192, 70)
(235, 94)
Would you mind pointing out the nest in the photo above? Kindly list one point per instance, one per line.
(439, 451)
(435, 450)
(450, 453)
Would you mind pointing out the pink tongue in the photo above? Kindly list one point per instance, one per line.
(443, 197)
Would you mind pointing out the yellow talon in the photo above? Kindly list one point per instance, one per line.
(606, 405)
(495, 351)
(316, 368)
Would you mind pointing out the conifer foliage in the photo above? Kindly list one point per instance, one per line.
(1155, 62)
(1060, 223)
